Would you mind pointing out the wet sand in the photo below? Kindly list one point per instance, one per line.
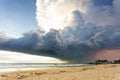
(99, 72)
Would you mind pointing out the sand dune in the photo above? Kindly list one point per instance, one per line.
(100, 72)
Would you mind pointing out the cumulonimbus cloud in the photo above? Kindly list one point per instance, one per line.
(56, 12)
(80, 39)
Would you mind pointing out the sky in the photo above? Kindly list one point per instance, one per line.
(12, 57)
(17, 16)
(74, 31)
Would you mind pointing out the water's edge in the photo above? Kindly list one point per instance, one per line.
(8, 67)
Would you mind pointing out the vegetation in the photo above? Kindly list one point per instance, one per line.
(105, 62)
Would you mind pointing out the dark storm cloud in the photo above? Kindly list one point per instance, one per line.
(33, 42)
(77, 41)
(103, 2)
(103, 12)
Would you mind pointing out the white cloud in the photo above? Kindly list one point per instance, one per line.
(55, 13)
(16, 57)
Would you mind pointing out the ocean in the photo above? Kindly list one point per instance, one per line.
(8, 67)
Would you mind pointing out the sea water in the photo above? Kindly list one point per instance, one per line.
(7, 67)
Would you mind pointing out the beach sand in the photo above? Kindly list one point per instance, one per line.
(99, 72)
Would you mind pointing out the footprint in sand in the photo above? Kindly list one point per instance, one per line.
(22, 77)
(3, 75)
(37, 73)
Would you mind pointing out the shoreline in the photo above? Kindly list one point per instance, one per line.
(98, 72)
(26, 67)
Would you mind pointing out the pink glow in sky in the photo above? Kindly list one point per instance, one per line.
(111, 54)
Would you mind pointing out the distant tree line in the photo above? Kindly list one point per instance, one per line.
(105, 62)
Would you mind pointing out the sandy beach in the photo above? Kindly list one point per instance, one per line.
(99, 72)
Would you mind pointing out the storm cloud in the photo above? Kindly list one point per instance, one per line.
(92, 29)
(103, 12)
